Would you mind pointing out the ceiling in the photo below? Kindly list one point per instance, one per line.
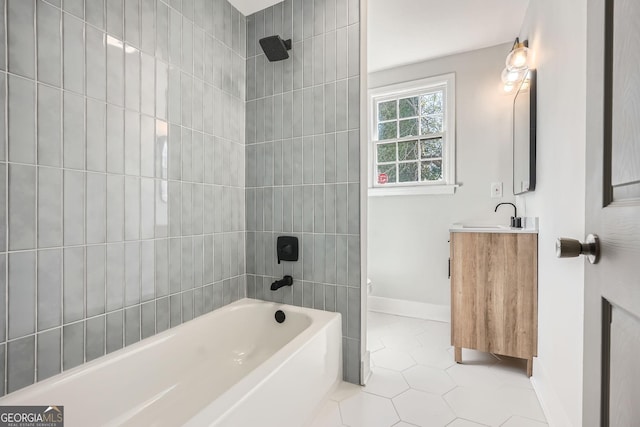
(248, 7)
(406, 31)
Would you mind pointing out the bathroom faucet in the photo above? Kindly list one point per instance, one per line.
(516, 222)
(286, 281)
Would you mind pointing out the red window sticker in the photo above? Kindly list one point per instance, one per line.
(383, 178)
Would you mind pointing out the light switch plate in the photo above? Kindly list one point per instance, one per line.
(496, 190)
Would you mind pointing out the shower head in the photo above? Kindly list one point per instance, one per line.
(275, 48)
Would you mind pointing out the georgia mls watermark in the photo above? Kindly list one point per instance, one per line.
(32, 416)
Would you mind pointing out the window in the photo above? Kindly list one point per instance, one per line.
(413, 138)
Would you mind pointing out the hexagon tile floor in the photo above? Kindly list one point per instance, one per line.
(415, 382)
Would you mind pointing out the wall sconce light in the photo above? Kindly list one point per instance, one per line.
(516, 73)
(518, 58)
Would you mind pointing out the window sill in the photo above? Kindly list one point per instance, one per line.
(422, 190)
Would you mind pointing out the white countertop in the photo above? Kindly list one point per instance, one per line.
(530, 227)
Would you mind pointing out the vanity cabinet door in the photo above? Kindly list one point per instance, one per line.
(494, 293)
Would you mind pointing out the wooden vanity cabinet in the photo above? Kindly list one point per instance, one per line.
(494, 294)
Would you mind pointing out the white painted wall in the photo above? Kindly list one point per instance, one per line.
(557, 34)
(407, 235)
(403, 31)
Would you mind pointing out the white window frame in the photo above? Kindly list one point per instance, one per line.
(448, 183)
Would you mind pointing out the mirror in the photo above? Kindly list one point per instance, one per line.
(524, 136)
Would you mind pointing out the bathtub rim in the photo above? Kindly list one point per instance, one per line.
(319, 319)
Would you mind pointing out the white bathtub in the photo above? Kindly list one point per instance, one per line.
(233, 367)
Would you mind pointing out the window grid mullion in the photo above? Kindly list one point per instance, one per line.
(412, 138)
(397, 164)
(397, 125)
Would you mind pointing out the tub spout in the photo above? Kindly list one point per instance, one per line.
(286, 281)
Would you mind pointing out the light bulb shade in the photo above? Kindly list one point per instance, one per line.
(518, 58)
(512, 76)
(509, 87)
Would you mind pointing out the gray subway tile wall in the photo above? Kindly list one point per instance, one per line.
(122, 179)
(302, 160)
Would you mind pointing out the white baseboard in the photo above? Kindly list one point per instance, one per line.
(551, 406)
(420, 310)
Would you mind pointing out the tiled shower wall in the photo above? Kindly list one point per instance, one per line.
(121, 174)
(303, 157)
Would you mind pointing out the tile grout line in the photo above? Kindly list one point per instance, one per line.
(155, 114)
(85, 188)
(37, 189)
(61, 181)
(5, 225)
